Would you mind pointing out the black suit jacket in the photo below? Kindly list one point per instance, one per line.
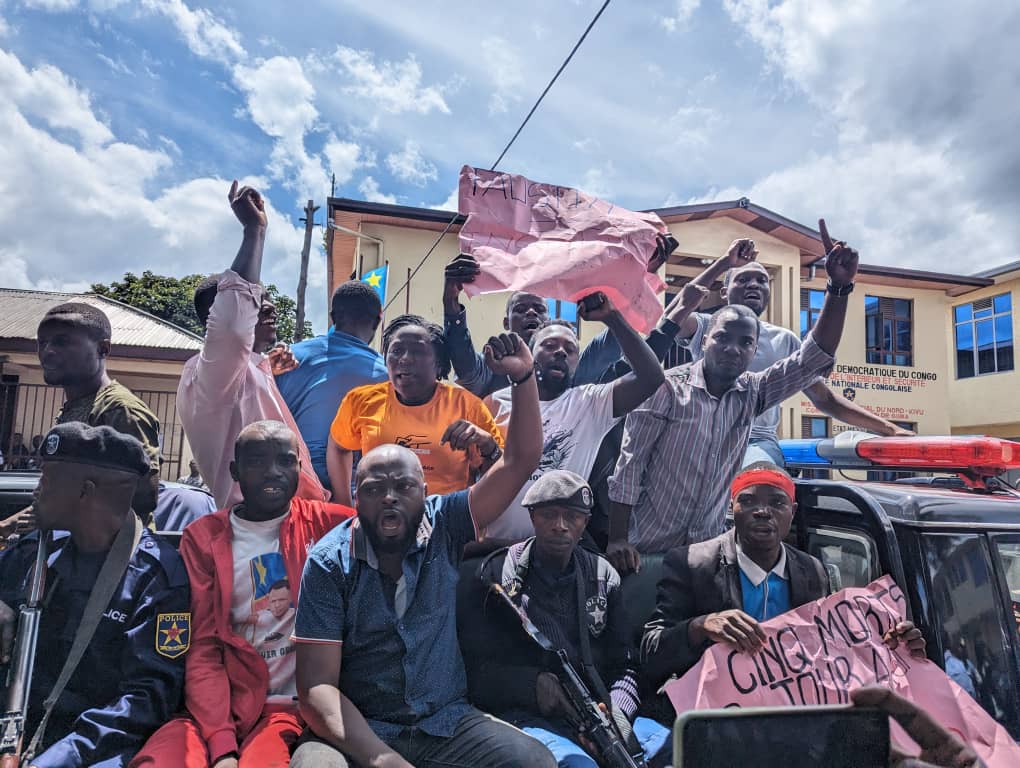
(705, 578)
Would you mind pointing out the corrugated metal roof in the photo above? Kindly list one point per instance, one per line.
(21, 311)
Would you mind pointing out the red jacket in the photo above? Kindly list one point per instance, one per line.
(221, 667)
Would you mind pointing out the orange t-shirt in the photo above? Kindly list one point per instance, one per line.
(371, 416)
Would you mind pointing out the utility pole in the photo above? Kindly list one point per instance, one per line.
(302, 283)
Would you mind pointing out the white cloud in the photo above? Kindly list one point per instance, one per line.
(280, 100)
(48, 94)
(880, 198)
(684, 10)
(51, 5)
(502, 63)
(114, 213)
(369, 188)
(409, 165)
(117, 65)
(926, 162)
(205, 34)
(452, 203)
(393, 86)
(343, 158)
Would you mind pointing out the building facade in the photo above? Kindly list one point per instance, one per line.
(900, 355)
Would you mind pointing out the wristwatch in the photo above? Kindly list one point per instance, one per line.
(840, 290)
(496, 453)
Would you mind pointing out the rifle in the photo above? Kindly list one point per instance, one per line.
(595, 722)
(19, 674)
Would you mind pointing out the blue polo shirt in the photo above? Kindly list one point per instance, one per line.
(330, 367)
(764, 595)
(402, 666)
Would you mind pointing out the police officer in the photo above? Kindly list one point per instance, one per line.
(128, 679)
(572, 595)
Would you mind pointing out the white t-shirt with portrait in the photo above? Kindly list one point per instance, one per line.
(573, 426)
(262, 609)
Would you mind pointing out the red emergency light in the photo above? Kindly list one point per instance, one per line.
(985, 455)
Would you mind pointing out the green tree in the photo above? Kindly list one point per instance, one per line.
(171, 299)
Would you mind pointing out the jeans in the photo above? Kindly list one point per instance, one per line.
(557, 736)
(480, 741)
(764, 449)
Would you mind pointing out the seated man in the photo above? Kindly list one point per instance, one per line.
(379, 671)
(719, 590)
(128, 680)
(240, 673)
(573, 596)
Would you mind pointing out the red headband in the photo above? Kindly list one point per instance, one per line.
(763, 477)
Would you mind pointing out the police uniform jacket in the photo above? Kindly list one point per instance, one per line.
(130, 677)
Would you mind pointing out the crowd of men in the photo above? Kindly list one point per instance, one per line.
(355, 593)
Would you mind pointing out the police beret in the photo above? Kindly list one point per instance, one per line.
(79, 443)
(562, 488)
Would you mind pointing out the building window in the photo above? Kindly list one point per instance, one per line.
(810, 308)
(984, 336)
(563, 310)
(888, 326)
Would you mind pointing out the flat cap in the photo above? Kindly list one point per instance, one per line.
(562, 488)
(79, 443)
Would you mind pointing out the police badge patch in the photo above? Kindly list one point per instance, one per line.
(173, 634)
(595, 607)
(52, 443)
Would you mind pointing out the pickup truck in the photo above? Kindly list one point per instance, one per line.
(951, 542)
(952, 546)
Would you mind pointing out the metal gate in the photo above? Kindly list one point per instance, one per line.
(31, 409)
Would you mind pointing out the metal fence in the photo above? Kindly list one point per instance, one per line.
(31, 409)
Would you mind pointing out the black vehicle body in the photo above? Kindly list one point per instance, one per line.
(955, 552)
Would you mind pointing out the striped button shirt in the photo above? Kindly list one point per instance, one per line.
(682, 447)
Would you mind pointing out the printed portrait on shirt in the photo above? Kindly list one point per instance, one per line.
(271, 620)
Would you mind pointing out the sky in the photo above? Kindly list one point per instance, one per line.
(123, 122)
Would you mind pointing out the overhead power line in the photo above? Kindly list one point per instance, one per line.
(451, 222)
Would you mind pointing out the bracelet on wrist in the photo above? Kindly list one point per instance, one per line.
(522, 379)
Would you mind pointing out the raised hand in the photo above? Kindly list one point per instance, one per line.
(840, 259)
(462, 434)
(600, 313)
(508, 355)
(664, 245)
(692, 295)
(463, 269)
(740, 253)
(247, 205)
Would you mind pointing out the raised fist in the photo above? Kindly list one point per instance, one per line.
(508, 355)
(247, 205)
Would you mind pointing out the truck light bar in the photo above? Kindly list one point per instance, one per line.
(978, 456)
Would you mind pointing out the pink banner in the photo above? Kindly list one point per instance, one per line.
(821, 651)
(559, 243)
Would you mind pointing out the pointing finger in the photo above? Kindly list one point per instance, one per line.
(826, 240)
